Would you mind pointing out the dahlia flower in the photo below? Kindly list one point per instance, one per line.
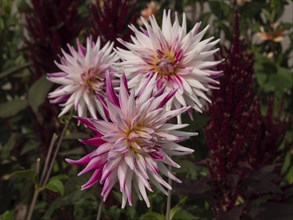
(136, 144)
(178, 58)
(82, 78)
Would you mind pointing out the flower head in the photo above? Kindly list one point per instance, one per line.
(177, 58)
(277, 35)
(152, 9)
(134, 147)
(242, 2)
(82, 78)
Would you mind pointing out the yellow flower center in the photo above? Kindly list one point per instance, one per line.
(136, 139)
(90, 78)
(165, 64)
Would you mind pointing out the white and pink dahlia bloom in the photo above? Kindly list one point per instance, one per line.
(135, 146)
(82, 78)
(180, 60)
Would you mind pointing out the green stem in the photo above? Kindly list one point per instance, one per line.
(56, 150)
(169, 196)
(168, 207)
(33, 203)
(53, 140)
(100, 209)
(47, 171)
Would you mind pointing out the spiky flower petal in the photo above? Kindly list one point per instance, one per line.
(82, 78)
(180, 60)
(134, 147)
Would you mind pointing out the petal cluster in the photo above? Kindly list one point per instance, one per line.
(135, 145)
(82, 78)
(179, 59)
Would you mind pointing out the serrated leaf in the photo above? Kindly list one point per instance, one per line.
(11, 108)
(38, 93)
(55, 185)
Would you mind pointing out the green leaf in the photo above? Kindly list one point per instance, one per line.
(38, 92)
(287, 163)
(287, 76)
(182, 214)
(55, 185)
(29, 146)
(74, 151)
(11, 108)
(76, 135)
(7, 215)
(27, 174)
(220, 9)
(261, 79)
(14, 70)
(289, 176)
(173, 211)
(153, 216)
(280, 81)
(59, 202)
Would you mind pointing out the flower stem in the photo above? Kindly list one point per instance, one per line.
(168, 205)
(56, 150)
(37, 191)
(53, 140)
(168, 208)
(100, 210)
(33, 203)
(46, 172)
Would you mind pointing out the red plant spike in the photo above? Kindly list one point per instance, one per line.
(51, 24)
(240, 138)
(110, 19)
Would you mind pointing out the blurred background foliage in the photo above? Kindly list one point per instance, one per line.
(248, 178)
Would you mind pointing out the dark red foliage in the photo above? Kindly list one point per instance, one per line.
(110, 19)
(241, 140)
(51, 24)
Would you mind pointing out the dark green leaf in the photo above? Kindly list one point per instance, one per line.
(76, 135)
(219, 8)
(152, 215)
(11, 108)
(27, 174)
(182, 214)
(14, 70)
(75, 151)
(29, 146)
(38, 93)
(7, 215)
(173, 211)
(63, 201)
(55, 185)
(261, 79)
